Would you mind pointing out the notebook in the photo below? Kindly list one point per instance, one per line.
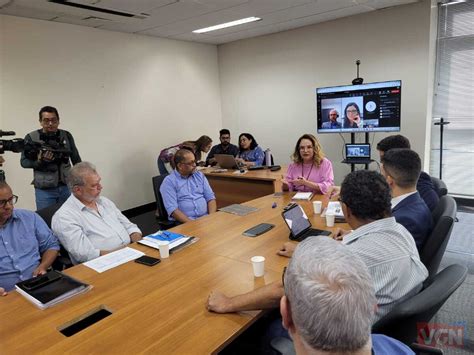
(175, 240)
(358, 153)
(52, 288)
(299, 224)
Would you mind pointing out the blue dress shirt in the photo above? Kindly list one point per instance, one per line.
(188, 194)
(22, 241)
(256, 155)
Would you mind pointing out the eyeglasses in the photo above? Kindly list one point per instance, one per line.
(191, 163)
(12, 200)
(283, 277)
(53, 121)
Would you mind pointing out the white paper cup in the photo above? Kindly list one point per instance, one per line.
(258, 263)
(164, 250)
(330, 217)
(317, 206)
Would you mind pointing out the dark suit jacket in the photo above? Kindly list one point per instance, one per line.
(427, 191)
(415, 216)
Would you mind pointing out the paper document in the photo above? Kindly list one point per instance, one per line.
(303, 196)
(175, 240)
(334, 207)
(111, 260)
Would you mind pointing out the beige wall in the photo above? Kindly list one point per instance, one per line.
(268, 83)
(124, 97)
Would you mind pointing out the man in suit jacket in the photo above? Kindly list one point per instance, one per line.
(401, 168)
(424, 185)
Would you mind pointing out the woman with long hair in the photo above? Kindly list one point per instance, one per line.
(250, 154)
(310, 170)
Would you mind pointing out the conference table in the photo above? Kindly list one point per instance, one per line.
(161, 309)
(232, 186)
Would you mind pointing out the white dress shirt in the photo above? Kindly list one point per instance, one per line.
(390, 253)
(84, 232)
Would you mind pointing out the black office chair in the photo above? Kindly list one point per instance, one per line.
(440, 186)
(161, 214)
(402, 321)
(63, 261)
(435, 245)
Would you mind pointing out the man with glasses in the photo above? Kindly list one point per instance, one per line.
(226, 147)
(27, 245)
(90, 225)
(49, 152)
(186, 192)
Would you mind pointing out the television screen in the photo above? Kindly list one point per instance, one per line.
(373, 107)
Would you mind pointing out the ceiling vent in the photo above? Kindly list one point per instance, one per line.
(99, 9)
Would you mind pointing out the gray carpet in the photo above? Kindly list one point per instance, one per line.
(459, 308)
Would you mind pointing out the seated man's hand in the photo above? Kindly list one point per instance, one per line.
(135, 237)
(287, 249)
(218, 302)
(2, 292)
(40, 270)
(339, 233)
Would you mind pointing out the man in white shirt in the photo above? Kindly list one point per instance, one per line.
(87, 224)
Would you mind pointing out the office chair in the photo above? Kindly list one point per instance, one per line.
(435, 245)
(402, 321)
(440, 186)
(63, 261)
(161, 214)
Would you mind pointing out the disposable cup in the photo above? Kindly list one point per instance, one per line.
(258, 263)
(164, 250)
(317, 206)
(330, 217)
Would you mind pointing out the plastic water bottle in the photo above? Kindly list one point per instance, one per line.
(268, 157)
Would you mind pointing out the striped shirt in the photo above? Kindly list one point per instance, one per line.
(390, 254)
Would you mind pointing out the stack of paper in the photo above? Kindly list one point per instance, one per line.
(175, 240)
(303, 196)
(111, 260)
(335, 208)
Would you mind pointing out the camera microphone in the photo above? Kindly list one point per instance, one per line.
(6, 133)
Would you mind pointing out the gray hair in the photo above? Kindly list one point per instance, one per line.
(331, 295)
(78, 172)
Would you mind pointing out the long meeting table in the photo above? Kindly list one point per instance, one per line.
(161, 309)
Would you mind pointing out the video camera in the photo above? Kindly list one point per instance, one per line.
(52, 143)
(14, 145)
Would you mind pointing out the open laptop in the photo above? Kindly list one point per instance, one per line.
(299, 224)
(358, 153)
(226, 161)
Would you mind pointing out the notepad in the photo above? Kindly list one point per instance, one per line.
(175, 240)
(61, 288)
(303, 196)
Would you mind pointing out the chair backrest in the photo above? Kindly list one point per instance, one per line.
(401, 323)
(440, 186)
(63, 260)
(47, 213)
(435, 245)
(160, 206)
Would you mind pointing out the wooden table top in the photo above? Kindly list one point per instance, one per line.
(161, 308)
(261, 174)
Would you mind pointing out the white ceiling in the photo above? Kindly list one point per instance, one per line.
(177, 19)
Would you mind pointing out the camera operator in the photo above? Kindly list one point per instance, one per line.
(49, 151)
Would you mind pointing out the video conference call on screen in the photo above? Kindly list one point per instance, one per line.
(376, 104)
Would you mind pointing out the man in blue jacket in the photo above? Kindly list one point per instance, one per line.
(401, 168)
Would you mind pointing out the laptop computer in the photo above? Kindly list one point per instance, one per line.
(226, 161)
(358, 153)
(299, 224)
